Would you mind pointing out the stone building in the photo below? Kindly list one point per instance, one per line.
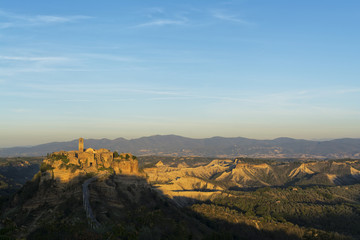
(92, 160)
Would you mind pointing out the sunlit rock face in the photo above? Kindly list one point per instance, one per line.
(209, 181)
(65, 166)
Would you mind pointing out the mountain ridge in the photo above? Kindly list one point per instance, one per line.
(174, 145)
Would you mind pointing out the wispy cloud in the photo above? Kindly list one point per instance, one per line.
(5, 25)
(33, 59)
(155, 10)
(56, 19)
(280, 100)
(345, 91)
(21, 110)
(158, 17)
(162, 22)
(18, 20)
(102, 88)
(101, 100)
(150, 12)
(111, 57)
(15, 64)
(222, 15)
(78, 57)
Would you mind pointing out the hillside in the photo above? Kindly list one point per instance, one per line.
(14, 172)
(185, 202)
(99, 194)
(172, 145)
(210, 180)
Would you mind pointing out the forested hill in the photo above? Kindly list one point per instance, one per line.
(172, 145)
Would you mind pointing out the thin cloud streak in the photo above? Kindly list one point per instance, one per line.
(344, 91)
(104, 88)
(5, 25)
(17, 20)
(280, 97)
(21, 110)
(161, 22)
(36, 69)
(150, 12)
(21, 64)
(42, 69)
(33, 59)
(56, 19)
(158, 17)
(111, 57)
(100, 100)
(231, 18)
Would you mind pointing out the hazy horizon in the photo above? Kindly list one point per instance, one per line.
(256, 69)
(134, 138)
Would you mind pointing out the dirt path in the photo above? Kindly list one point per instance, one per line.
(89, 213)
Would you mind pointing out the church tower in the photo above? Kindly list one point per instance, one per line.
(81, 144)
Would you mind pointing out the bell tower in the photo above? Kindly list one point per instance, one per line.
(81, 144)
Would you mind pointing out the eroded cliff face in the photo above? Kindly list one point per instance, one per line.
(208, 181)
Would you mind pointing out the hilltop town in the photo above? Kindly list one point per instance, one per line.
(63, 166)
(99, 194)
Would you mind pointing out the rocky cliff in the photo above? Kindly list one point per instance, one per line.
(209, 181)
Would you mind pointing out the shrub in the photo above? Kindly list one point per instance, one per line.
(90, 175)
(109, 169)
(45, 167)
(65, 160)
(61, 157)
(73, 167)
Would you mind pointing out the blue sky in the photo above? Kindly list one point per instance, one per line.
(257, 69)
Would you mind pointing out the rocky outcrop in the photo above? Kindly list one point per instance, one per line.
(204, 182)
(62, 170)
(67, 178)
(303, 169)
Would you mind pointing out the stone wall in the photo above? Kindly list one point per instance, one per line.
(125, 166)
(91, 160)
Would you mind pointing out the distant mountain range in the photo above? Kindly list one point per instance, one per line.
(172, 145)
